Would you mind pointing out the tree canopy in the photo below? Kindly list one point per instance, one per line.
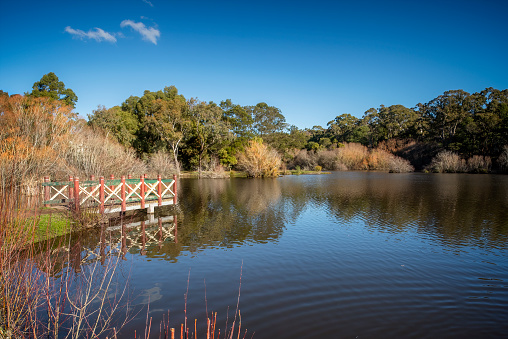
(51, 87)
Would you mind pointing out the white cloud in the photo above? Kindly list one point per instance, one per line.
(150, 34)
(97, 34)
(148, 2)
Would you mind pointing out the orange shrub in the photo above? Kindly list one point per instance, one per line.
(258, 160)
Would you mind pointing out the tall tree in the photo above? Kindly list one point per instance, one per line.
(170, 121)
(49, 86)
(342, 127)
(268, 121)
(396, 121)
(445, 114)
(208, 127)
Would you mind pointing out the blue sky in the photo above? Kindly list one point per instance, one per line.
(312, 59)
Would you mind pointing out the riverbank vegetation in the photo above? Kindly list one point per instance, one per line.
(164, 132)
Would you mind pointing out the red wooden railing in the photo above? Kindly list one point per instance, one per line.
(125, 194)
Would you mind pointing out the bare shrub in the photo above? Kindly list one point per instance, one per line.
(161, 163)
(258, 160)
(447, 162)
(214, 169)
(92, 153)
(502, 161)
(306, 160)
(399, 165)
(479, 164)
(329, 160)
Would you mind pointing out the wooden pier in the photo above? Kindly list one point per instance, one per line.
(111, 195)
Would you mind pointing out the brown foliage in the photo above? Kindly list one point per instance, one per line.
(258, 160)
(34, 133)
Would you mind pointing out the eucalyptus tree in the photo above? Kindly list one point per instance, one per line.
(342, 128)
(268, 122)
(208, 128)
(396, 121)
(446, 113)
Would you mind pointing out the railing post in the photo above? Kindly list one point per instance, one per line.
(159, 189)
(101, 193)
(112, 177)
(124, 201)
(175, 198)
(130, 189)
(46, 191)
(71, 190)
(176, 229)
(142, 188)
(143, 237)
(92, 178)
(146, 186)
(160, 233)
(76, 194)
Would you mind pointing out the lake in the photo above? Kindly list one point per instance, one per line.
(342, 255)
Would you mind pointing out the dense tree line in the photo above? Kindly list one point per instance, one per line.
(196, 132)
(200, 135)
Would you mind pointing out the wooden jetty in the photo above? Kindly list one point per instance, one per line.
(111, 195)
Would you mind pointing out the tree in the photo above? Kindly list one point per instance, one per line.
(170, 121)
(268, 121)
(396, 121)
(445, 114)
(123, 125)
(342, 127)
(207, 126)
(49, 86)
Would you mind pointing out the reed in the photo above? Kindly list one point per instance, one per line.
(212, 331)
(41, 294)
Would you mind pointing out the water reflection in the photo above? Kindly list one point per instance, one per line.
(456, 209)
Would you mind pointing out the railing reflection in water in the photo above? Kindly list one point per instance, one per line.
(122, 236)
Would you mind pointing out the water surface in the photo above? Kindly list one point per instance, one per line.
(345, 255)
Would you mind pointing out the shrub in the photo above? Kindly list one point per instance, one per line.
(318, 168)
(502, 161)
(329, 160)
(378, 159)
(92, 153)
(303, 159)
(479, 164)
(353, 156)
(447, 162)
(399, 165)
(161, 163)
(258, 160)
